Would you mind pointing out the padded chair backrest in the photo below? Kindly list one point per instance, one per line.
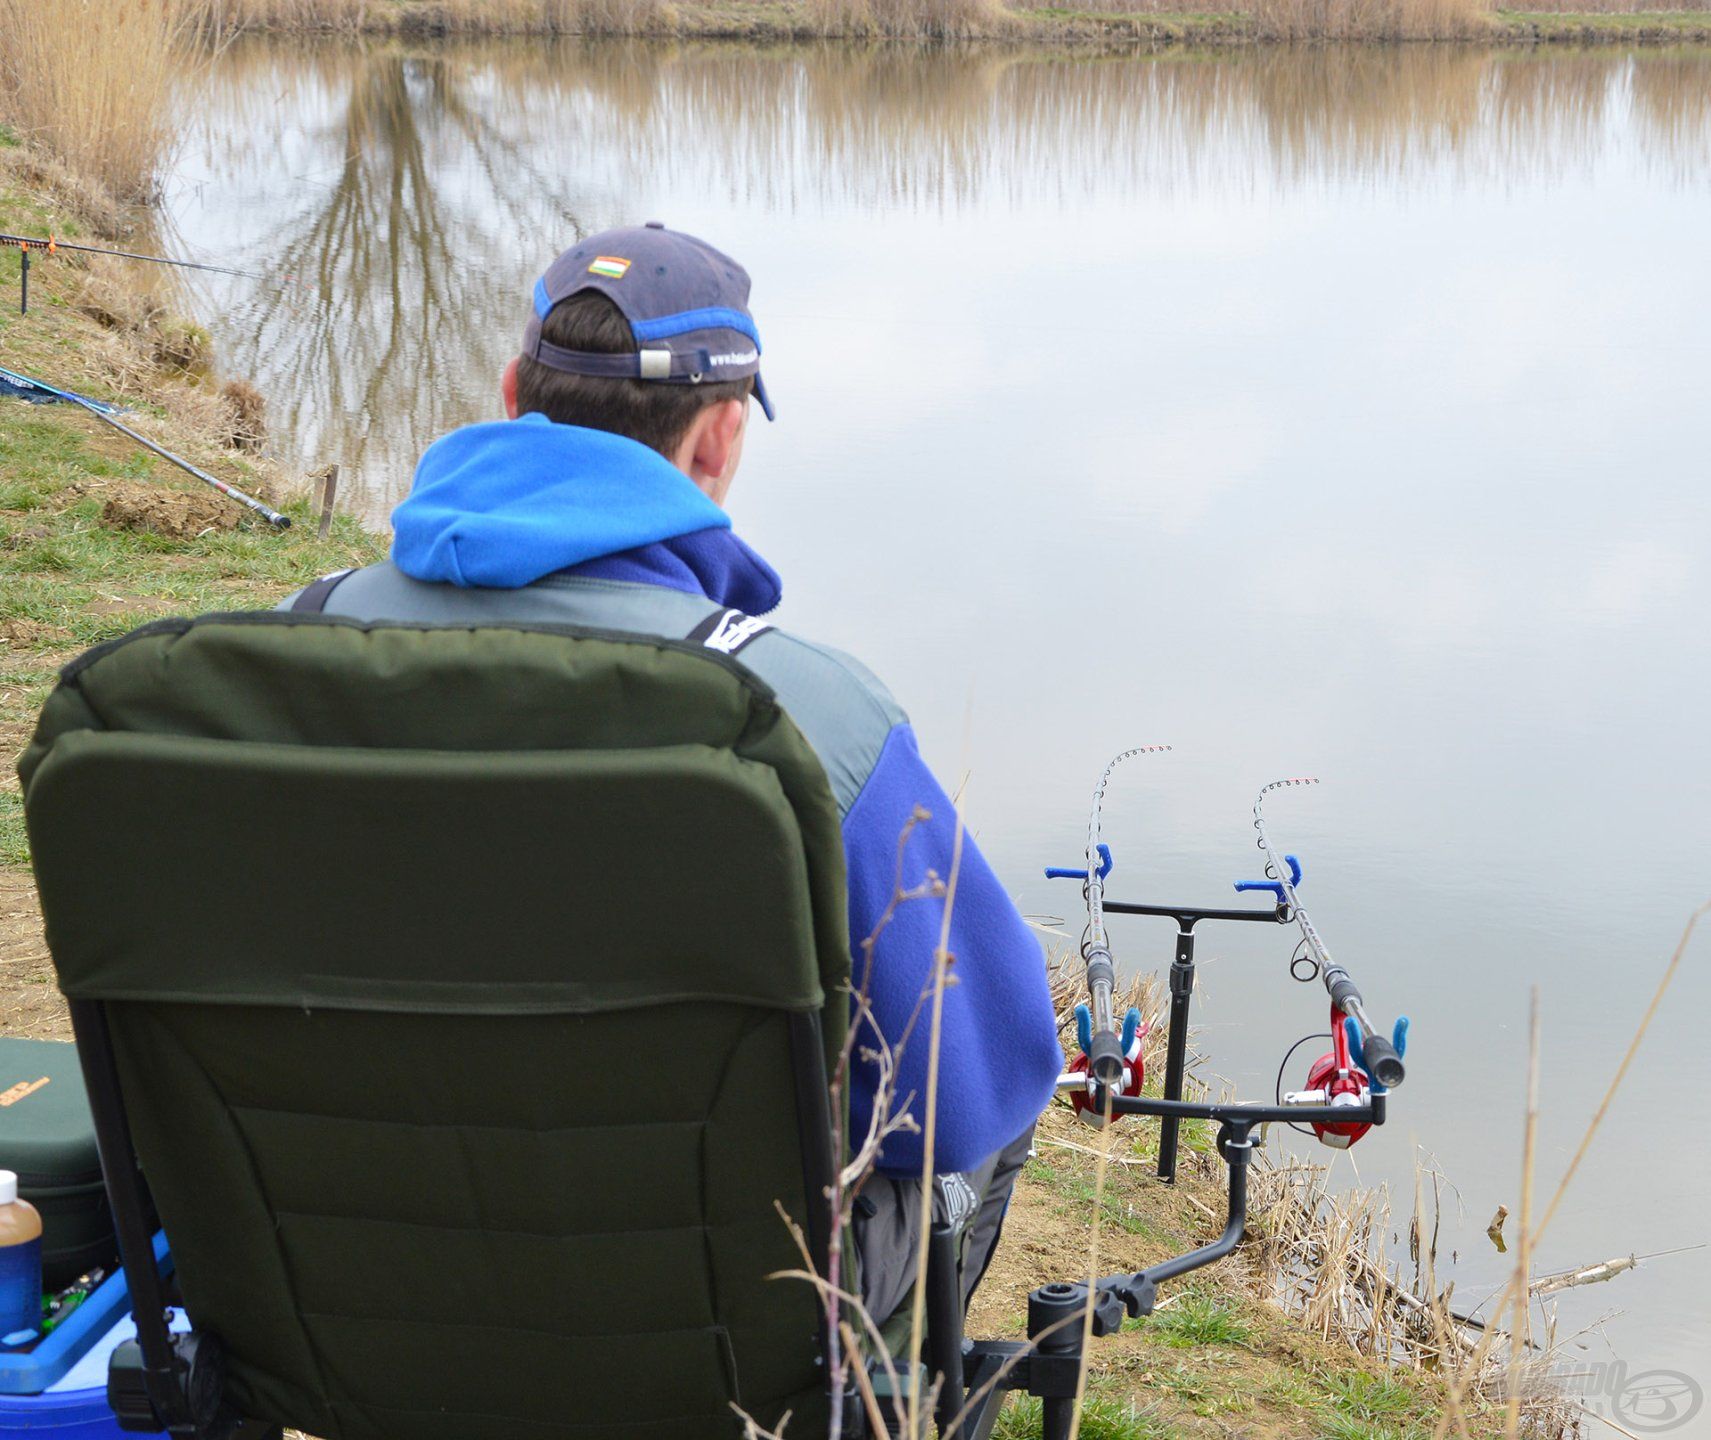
(458, 983)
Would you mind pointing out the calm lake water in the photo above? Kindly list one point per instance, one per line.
(1315, 412)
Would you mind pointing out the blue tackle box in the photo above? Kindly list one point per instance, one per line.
(58, 1387)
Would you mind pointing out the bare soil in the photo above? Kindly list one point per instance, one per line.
(30, 1002)
(176, 514)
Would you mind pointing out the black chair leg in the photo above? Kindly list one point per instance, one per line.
(944, 1324)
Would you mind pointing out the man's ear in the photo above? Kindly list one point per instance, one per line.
(508, 389)
(713, 443)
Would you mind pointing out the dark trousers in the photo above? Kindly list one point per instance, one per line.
(888, 1224)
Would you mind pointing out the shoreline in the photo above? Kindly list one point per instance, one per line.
(1071, 30)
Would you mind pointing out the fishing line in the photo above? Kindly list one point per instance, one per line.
(52, 244)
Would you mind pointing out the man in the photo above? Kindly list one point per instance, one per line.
(599, 503)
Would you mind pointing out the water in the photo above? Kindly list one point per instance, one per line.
(1316, 412)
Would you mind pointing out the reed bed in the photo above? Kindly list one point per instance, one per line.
(444, 17)
(1367, 20)
(909, 19)
(92, 84)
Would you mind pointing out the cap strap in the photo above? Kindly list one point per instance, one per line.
(645, 364)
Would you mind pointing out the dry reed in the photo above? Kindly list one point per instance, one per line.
(909, 19)
(93, 84)
(445, 17)
(1296, 20)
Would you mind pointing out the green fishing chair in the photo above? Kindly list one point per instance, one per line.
(465, 997)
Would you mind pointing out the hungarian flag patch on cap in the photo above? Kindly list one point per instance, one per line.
(611, 266)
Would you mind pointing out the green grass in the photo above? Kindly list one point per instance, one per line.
(1102, 1418)
(67, 581)
(1367, 1398)
(1198, 1318)
(1075, 1189)
(1341, 1427)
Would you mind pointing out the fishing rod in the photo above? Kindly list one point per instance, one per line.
(52, 245)
(1380, 1058)
(104, 414)
(1347, 1090)
(1106, 1050)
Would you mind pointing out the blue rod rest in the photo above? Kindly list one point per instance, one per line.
(1275, 886)
(1057, 872)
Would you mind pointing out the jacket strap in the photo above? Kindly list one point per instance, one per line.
(313, 598)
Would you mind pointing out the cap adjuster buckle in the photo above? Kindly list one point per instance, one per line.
(655, 364)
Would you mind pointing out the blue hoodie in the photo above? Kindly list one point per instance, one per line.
(535, 521)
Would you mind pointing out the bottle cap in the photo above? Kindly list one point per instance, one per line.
(8, 1187)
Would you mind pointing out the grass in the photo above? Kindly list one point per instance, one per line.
(1199, 1318)
(1218, 1357)
(462, 17)
(1102, 1418)
(68, 579)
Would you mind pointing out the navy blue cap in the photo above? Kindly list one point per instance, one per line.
(687, 303)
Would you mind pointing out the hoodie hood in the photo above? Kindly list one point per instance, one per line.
(508, 502)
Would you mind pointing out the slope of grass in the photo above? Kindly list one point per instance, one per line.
(1216, 1358)
(67, 579)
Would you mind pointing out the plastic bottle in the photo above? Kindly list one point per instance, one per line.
(20, 1262)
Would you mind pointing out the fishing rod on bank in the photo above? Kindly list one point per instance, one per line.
(105, 414)
(51, 245)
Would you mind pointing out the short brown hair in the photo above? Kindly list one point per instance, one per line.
(652, 411)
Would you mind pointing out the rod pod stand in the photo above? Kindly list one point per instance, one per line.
(1057, 1314)
(1181, 976)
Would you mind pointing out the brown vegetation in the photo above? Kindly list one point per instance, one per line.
(910, 19)
(176, 514)
(92, 83)
(444, 17)
(248, 410)
(1371, 19)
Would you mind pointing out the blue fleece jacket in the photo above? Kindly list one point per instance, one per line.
(543, 510)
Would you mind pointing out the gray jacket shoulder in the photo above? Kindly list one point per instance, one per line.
(837, 703)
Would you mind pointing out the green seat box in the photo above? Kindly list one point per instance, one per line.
(48, 1138)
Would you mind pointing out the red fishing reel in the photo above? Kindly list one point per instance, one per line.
(1336, 1080)
(1133, 1076)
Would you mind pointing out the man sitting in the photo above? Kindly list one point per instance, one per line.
(599, 503)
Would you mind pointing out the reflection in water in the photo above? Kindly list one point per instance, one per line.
(387, 309)
(414, 191)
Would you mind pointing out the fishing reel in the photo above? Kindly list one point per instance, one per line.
(1340, 1080)
(1335, 1081)
(1134, 1070)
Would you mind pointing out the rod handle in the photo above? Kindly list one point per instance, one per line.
(1105, 1058)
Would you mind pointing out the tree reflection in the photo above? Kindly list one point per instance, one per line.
(384, 331)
